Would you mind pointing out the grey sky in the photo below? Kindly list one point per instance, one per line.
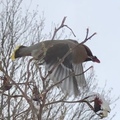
(101, 16)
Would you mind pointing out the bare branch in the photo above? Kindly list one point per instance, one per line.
(61, 26)
(84, 100)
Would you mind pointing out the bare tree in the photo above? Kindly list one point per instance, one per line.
(26, 91)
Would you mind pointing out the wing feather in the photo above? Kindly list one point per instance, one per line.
(69, 85)
(80, 77)
(64, 70)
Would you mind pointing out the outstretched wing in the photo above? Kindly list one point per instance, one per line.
(65, 70)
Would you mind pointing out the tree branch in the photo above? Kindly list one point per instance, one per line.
(84, 100)
(61, 26)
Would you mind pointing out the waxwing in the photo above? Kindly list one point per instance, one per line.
(50, 52)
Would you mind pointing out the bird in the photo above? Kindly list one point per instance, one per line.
(6, 84)
(50, 52)
(98, 104)
(36, 96)
(101, 106)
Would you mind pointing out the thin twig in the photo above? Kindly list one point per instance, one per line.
(23, 93)
(70, 30)
(86, 37)
(29, 64)
(61, 26)
(84, 100)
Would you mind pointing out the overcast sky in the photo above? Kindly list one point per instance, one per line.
(101, 16)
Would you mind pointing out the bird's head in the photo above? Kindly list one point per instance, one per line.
(101, 107)
(90, 56)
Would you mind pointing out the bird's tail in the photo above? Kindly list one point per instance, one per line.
(18, 52)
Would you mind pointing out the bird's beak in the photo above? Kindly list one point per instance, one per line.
(94, 59)
(97, 60)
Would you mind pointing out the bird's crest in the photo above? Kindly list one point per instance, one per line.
(13, 54)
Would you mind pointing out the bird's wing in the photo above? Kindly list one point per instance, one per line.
(69, 84)
(79, 74)
(64, 70)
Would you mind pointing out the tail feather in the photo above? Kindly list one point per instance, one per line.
(20, 51)
(14, 52)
